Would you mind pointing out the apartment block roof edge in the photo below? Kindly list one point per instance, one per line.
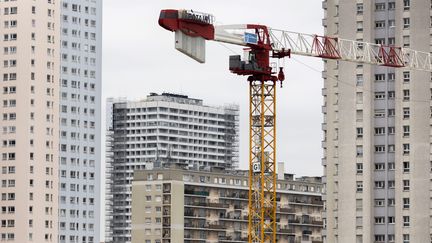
(231, 172)
(172, 97)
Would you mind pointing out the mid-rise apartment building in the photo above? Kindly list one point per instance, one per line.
(51, 55)
(162, 131)
(177, 205)
(377, 125)
(80, 121)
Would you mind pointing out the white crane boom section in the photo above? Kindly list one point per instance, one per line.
(350, 50)
(330, 47)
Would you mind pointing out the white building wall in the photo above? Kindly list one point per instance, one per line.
(80, 121)
(366, 142)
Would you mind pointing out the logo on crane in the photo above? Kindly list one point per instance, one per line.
(197, 16)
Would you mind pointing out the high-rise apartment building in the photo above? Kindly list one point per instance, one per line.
(80, 120)
(30, 60)
(176, 206)
(377, 125)
(162, 130)
(51, 119)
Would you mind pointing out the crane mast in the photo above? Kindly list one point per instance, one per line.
(261, 43)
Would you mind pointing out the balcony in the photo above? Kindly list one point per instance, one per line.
(286, 231)
(287, 210)
(207, 205)
(197, 193)
(205, 226)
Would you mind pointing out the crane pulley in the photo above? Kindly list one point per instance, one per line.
(261, 43)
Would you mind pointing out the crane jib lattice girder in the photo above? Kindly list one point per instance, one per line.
(350, 50)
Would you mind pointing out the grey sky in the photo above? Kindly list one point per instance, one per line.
(139, 57)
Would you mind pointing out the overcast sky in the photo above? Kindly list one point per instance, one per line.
(139, 58)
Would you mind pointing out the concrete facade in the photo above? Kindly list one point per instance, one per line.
(30, 45)
(377, 126)
(176, 206)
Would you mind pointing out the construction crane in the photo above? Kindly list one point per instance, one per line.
(192, 29)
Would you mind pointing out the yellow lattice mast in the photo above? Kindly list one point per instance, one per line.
(262, 173)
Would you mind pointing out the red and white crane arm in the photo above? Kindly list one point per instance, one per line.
(280, 42)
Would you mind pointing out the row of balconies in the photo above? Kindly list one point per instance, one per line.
(299, 220)
(203, 225)
(208, 204)
(195, 192)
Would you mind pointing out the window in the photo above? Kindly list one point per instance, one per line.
(379, 166)
(359, 168)
(379, 202)
(359, 97)
(359, 80)
(406, 185)
(379, 220)
(359, 149)
(406, 112)
(406, 41)
(359, 132)
(406, 221)
(379, 184)
(391, 202)
(359, 26)
(391, 184)
(391, 95)
(406, 166)
(147, 221)
(379, 238)
(379, 148)
(406, 202)
(406, 4)
(406, 23)
(379, 77)
(406, 131)
(359, 186)
(379, 95)
(148, 209)
(406, 76)
(391, 112)
(379, 6)
(391, 5)
(406, 238)
(406, 148)
(391, 220)
(359, 8)
(379, 24)
(391, 166)
(406, 94)
(379, 113)
(379, 130)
